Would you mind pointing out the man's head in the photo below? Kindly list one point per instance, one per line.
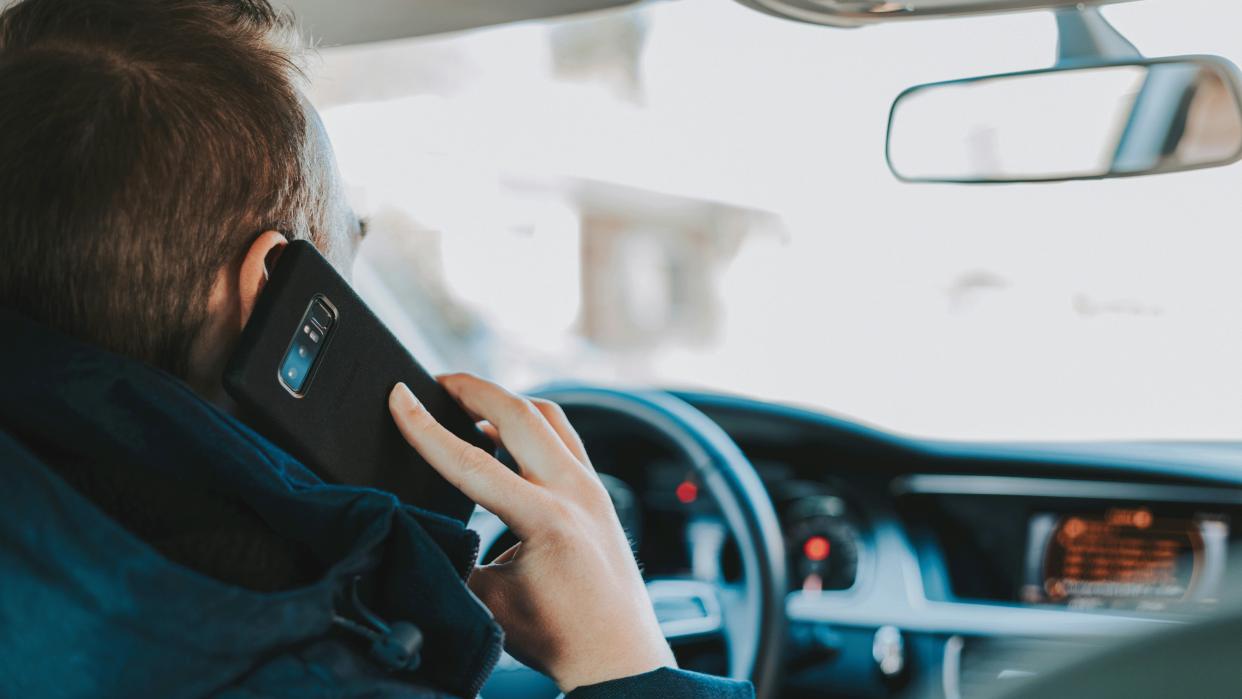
(150, 150)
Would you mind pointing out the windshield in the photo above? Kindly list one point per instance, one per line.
(694, 194)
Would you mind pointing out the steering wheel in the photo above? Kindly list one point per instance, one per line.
(749, 615)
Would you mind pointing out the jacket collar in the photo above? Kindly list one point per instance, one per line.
(80, 589)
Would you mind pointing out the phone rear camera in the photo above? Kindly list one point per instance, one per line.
(308, 341)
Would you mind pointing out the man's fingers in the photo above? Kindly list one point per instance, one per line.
(534, 444)
(507, 555)
(492, 433)
(481, 477)
(556, 418)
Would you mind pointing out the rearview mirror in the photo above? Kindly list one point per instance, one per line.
(1113, 120)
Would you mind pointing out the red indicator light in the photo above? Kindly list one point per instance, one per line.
(687, 492)
(816, 548)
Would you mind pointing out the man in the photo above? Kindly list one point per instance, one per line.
(157, 155)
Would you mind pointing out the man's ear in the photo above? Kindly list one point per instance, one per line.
(255, 266)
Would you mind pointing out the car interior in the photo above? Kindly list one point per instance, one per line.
(819, 556)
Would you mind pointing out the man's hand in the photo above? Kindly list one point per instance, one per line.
(569, 596)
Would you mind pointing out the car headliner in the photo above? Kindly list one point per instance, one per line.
(334, 23)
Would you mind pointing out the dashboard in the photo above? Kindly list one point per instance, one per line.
(936, 569)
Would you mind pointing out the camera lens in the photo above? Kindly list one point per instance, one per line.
(321, 316)
(297, 365)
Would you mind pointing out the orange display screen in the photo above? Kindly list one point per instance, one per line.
(1122, 556)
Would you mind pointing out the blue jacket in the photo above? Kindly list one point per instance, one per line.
(90, 609)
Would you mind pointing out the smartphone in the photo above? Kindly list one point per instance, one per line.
(313, 370)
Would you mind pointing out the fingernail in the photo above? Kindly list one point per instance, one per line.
(404, 397)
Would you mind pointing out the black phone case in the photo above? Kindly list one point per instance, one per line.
(340, 427)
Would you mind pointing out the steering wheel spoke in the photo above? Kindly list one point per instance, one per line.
(694, 610)
(740, 630)
(686, 609)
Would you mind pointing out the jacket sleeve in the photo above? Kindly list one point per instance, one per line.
(666, 683)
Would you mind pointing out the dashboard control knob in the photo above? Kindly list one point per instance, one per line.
(889, 650)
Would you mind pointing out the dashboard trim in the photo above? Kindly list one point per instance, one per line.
(971, 619)
(937, 484)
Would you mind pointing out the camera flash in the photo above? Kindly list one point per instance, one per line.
(314, 336)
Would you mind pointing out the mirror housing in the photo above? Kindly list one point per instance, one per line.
(861, 13)
(1102, 111)
(1082, 121)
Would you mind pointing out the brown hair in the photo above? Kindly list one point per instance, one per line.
(143, 145)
